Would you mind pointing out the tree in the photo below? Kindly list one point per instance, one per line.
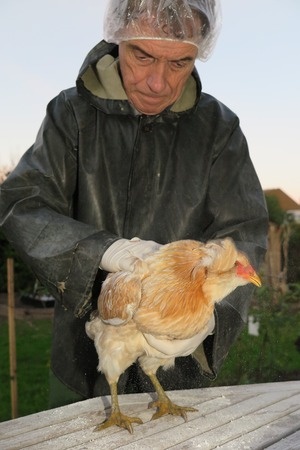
(276, 213)
(277, 253)
(293, 273)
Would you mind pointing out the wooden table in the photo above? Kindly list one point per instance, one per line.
(261, 416)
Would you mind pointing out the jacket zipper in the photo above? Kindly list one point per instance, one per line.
(126, 231)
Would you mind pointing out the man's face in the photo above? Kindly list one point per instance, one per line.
(154, 72)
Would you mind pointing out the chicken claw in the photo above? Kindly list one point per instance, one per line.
(164, 405)
(119, 419)
(168, 407)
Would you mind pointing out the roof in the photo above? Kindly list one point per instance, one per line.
(285, 202)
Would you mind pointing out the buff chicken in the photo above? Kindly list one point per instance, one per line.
(162, 310)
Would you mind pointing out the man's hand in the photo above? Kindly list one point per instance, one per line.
(122, 254)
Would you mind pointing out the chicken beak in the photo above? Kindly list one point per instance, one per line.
(254, 278)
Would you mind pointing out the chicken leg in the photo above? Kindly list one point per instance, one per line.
(116, 416)
(164, 405)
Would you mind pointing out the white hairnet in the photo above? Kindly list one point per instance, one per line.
(195, 21)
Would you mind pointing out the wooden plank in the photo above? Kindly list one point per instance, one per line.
(172, 430)
(263, 387)
(12, 338)
(49, 419)
(214, 429)
(256, 432)
(63, 425)
(221, 410)
(143, 435)
(291, 442)
(96, 405)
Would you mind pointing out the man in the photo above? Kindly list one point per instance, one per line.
(136, 149)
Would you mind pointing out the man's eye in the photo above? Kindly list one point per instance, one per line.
(143, 58)
(178, 64)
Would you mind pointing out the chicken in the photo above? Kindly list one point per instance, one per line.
(161, 310)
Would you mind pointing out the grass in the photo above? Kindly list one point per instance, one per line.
(274, 354)
(33, 357)
(271, 356)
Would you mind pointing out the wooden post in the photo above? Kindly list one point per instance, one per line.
(12, 338)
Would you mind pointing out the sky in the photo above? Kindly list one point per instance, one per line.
(254, 70)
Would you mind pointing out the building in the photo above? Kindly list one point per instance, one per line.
(286, 203)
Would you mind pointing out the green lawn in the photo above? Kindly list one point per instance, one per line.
(271, 356)
(33, 356)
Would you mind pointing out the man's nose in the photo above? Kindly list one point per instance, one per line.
(157, 78)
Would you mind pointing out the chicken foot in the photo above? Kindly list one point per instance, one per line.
(164, 405)
(116, 416)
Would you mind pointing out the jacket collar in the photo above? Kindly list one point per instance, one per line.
(99, 81)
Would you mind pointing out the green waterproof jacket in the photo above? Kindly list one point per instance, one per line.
(98, 171)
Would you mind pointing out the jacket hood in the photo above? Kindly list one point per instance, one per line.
(100, 83)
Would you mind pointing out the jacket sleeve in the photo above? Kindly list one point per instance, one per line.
(37, 209)
(236, 207)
